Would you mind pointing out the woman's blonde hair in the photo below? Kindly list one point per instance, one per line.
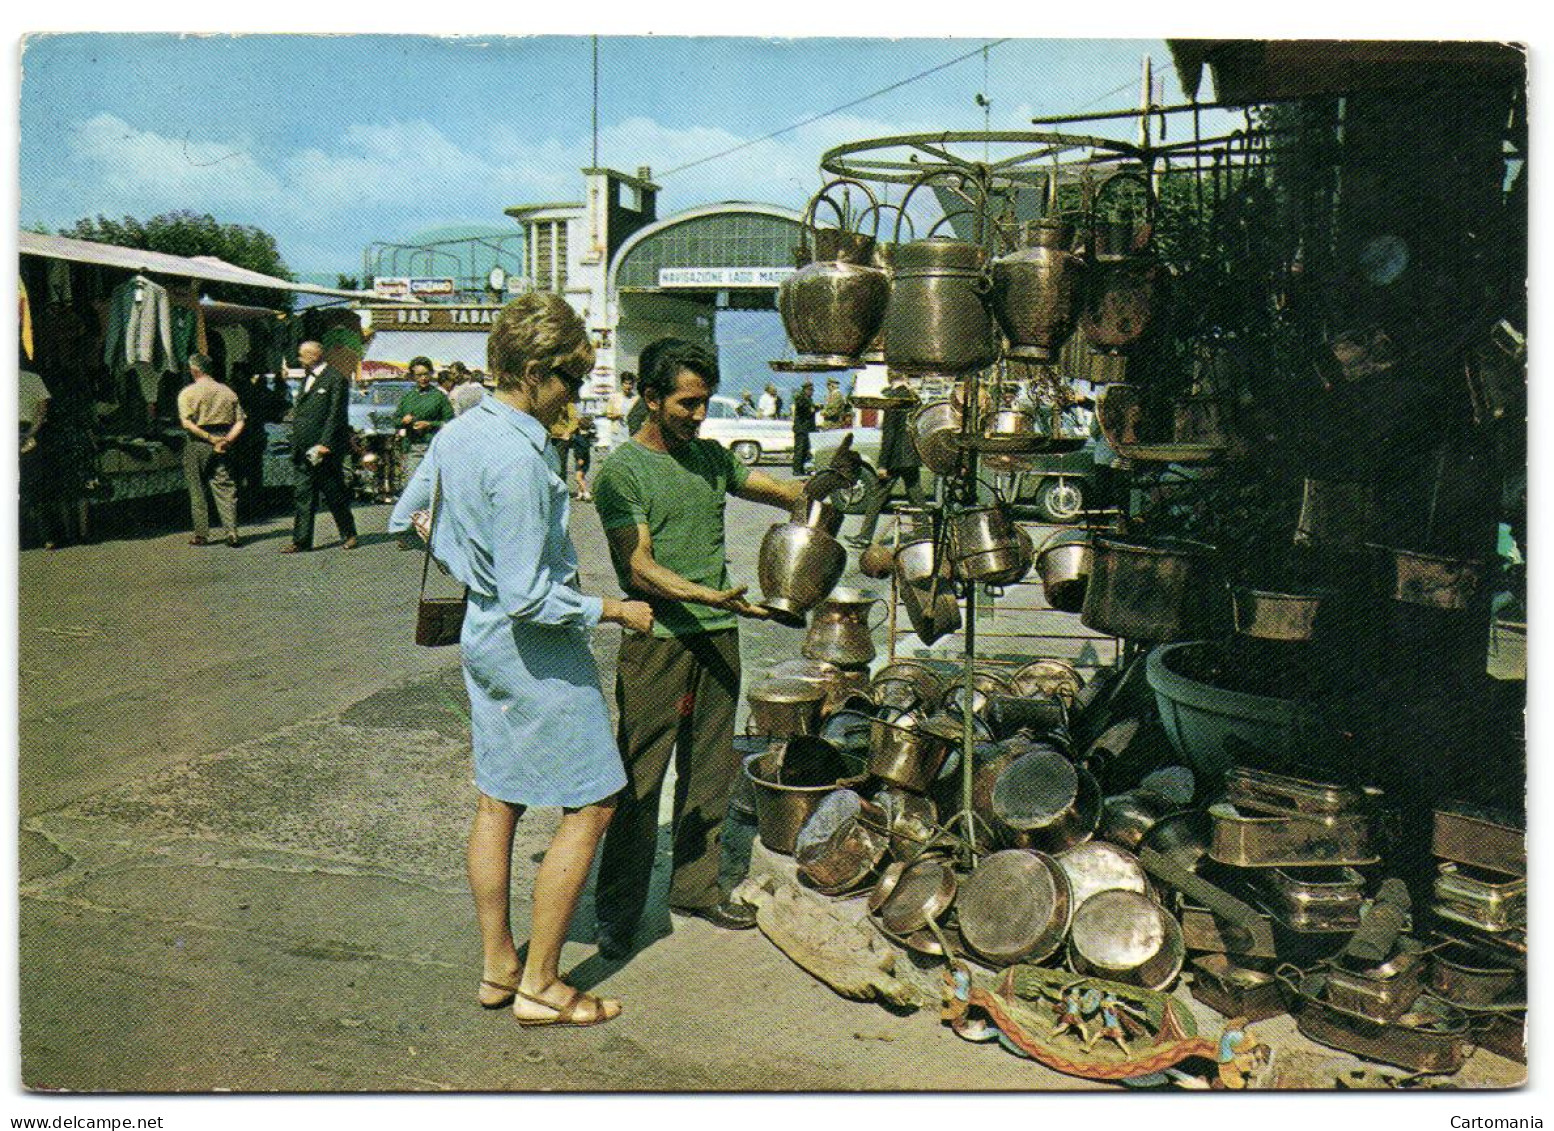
(538, 327)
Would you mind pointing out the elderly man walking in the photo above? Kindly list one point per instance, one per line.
(213, 418)
(320, 437)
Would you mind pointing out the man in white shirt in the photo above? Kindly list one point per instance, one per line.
(769, 405)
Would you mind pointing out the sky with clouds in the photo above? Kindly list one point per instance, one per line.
(332, 142)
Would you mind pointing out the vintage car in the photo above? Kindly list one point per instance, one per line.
(371, 410)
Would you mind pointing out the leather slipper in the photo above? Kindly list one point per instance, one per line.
(566, 1016)
(509, 993)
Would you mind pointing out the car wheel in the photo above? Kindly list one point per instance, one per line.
(1060, 500)
(747, 452)
(858, 498)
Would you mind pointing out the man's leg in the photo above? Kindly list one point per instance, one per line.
(913, 478)
(305, 502)
(224, 489)
(331, 484)
(800, 452)
(194, 458)
(706, 765)
(652, 689)
(871, 517)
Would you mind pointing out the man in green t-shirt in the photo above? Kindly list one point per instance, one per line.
(660, 497)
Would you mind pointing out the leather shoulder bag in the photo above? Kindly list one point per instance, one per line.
(438, 620)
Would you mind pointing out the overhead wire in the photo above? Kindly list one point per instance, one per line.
(836, 109)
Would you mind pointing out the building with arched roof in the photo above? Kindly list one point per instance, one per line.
(630, 275)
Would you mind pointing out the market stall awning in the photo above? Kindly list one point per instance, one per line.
(442, 347)
(203, 267)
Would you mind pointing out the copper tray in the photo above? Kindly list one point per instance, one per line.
(816, 363)
(1251, 840)
(1171, 453)
(1431, 1038)
(1466, 834)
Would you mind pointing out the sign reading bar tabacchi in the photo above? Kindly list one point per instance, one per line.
(434, 317)
(722, 276)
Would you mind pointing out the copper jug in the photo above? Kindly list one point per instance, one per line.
(840, 632)
(833, 305)
(1036, 291)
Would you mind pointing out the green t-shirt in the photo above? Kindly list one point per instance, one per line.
(431, 405)
(679, 497)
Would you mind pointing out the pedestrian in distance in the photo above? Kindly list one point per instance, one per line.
(320, 437)
(899, 462)
(540, 724)
(212, 416)
(803, 426)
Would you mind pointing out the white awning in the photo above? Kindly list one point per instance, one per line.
(443, 347)
(203, 267)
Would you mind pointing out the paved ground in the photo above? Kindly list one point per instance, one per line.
(243, 797)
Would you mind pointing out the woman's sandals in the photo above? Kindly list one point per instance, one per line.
(507, 994)
(567, 1013)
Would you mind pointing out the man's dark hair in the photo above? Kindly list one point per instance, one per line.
(661, 361)
(426, 361)
(203, 363)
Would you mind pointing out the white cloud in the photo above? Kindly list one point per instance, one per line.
(129, 166)
(389, 180)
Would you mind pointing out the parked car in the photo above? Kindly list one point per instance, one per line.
(751, 439)
(371, 410)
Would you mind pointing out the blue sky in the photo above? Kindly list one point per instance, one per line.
(331, 142)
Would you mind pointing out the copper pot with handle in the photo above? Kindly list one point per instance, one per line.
(938, 319)
(833, 305)
(1036, 291)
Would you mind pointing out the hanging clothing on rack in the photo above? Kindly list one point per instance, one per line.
(59, 282)
(186, 333)
(139, 321)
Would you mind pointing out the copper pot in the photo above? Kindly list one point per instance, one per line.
(833, 306)
(840, 631)
(937, 319)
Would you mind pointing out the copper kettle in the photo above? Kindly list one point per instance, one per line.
(833, 305)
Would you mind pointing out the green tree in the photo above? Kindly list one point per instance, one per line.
(190, 234)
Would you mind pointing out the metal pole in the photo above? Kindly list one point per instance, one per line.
(595, 164)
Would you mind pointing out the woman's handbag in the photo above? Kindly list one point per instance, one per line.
(438, 620)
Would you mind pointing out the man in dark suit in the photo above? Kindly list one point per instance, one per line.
(320, 437)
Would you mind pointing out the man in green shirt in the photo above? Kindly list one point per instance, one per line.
(660, 497)
(421, 411)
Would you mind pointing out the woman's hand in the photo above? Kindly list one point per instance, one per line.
(635, 616)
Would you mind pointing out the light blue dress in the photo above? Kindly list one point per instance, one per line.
(541, 726)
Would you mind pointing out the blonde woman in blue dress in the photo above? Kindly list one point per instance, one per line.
(541, 729)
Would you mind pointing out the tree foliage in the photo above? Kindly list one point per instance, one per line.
(190, 234)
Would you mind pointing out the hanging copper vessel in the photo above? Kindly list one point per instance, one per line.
(1122, 293)
(833, 305)
(1036, 291)
(937, 320)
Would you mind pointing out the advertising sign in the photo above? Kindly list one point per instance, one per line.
(718, 277)
(391, 286)
(431, 286)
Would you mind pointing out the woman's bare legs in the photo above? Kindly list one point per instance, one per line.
(557, 886)
(490, 864)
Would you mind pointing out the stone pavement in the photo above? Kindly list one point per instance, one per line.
(243, 799)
